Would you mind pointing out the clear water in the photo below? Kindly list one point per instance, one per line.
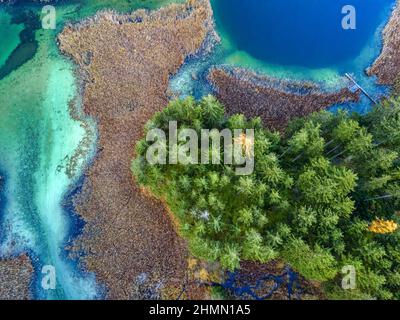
(305, 33)
(9, 35)
(293, 39)
(37, 138)
(38, 135)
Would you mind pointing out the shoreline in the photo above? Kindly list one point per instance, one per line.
(128, 235)
(239, 89)
(16, 274)
(250, 86)
(275, 101)
(386, 67)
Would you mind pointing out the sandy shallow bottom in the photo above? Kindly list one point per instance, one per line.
(276, 102)
(46, 143)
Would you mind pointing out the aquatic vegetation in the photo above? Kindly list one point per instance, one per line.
(27, 44)
(313, 194)
(124, 86)
(303, 40)
(387, 66)
(275, 101)
(46, 143)
(15, 275)
(326, 190)
(10, 33)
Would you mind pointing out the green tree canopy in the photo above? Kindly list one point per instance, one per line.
(314, 192)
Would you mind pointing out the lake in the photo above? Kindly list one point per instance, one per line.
(306, 33)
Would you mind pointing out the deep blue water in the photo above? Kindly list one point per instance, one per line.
(305, 33)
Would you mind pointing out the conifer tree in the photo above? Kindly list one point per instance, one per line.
(323, 195)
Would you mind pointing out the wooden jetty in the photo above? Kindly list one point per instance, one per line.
(356, 87)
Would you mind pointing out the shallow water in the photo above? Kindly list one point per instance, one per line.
(295, 40)
(9, 35)
(38, 135)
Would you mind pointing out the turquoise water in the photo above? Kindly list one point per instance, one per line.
(10, 35)
(38, 136)
(301, 39)
(293, 39)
